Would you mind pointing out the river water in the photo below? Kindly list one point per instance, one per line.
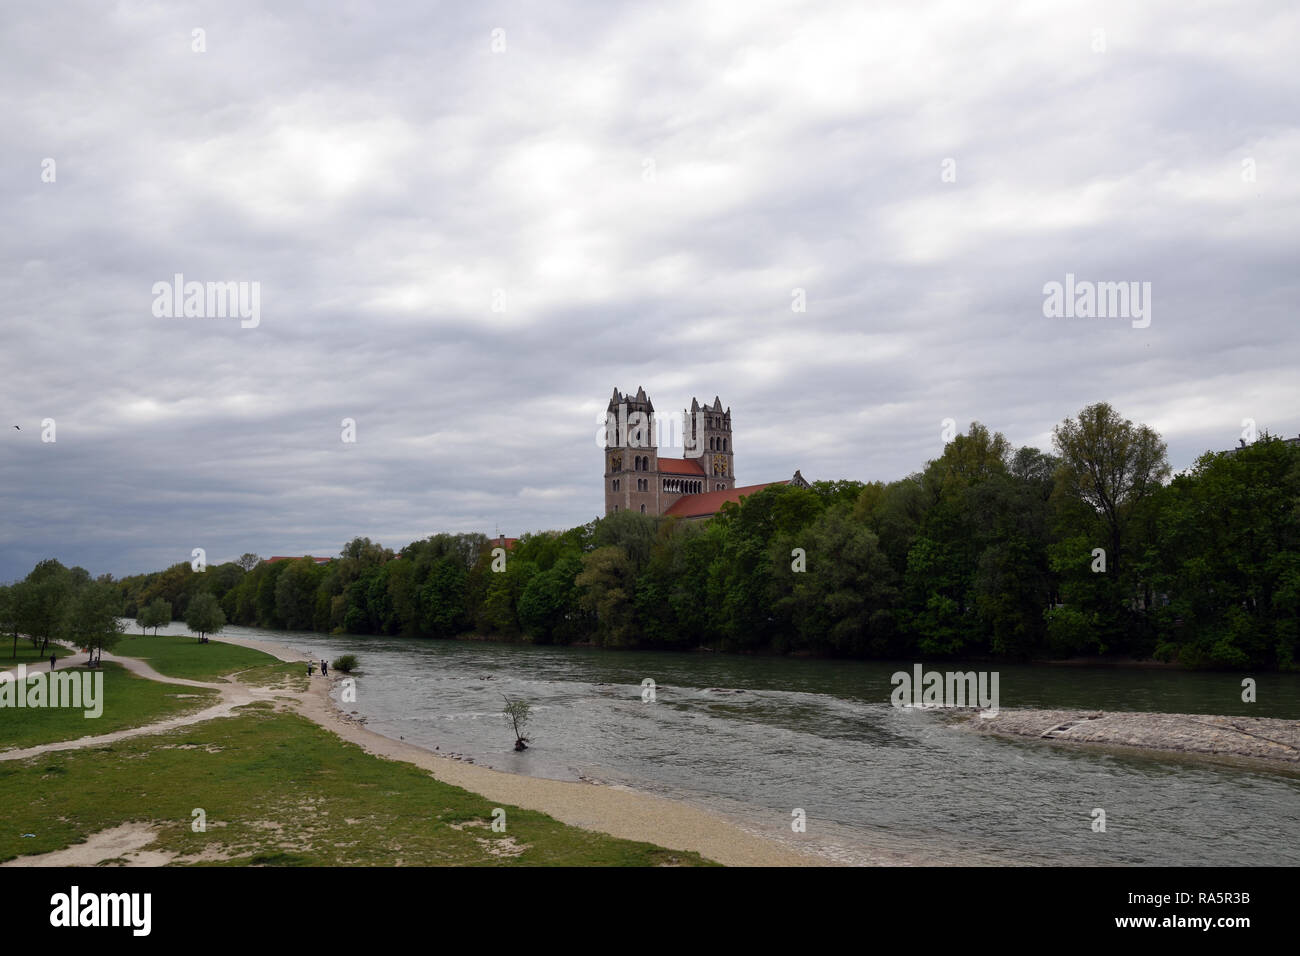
(756, 738)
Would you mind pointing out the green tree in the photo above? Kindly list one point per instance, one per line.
(518, 713)
(1227, 559)
(956, 527)
(606, 590)
(10, 600)
(157, 613)
(548, 605)
(204, 616)
(500, 610)
(442, 598)
(41, 601)
(295, 593)
(839, 593)
(1113, 467)
(1109, 474)
(90, 618)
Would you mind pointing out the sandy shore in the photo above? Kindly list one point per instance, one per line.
(617, 811)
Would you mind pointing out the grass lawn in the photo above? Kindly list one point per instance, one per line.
(186, 657)
(279, 790)
(292, 676)
(27, 654)
(129, 701)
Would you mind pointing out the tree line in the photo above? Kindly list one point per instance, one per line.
(989, 551)
(58, 603)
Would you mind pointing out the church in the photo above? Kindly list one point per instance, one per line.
(638, 479)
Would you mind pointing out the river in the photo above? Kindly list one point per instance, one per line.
(756, 738)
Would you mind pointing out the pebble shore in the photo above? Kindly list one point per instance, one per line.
(1263, 738)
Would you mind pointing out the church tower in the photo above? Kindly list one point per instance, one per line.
(631, 457)
(708, 439)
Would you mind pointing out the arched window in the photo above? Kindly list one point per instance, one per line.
(724, 444)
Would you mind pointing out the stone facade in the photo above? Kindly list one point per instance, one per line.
(638, 479)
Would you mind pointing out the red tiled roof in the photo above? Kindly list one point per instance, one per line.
(681, 466)
(501, 541)
(708, 503)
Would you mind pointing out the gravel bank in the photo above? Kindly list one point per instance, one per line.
(1262, 738)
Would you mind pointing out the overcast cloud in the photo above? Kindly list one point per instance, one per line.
(643, 189)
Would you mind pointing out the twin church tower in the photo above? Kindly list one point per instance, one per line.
(636, 477)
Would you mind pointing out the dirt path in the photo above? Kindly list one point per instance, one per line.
(233, 695)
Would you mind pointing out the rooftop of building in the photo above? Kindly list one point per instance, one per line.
(681, 466)
(710, 502)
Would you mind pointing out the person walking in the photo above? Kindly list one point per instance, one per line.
(52, 659)
(324, 668)
(311, 668)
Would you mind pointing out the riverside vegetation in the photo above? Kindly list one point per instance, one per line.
(1093, 549)
(274, 787)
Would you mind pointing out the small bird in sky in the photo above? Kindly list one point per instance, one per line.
(18, 428)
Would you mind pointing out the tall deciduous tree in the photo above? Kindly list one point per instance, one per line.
(1107, 481)
(1112, 466)
(90, 618)
(41, 600)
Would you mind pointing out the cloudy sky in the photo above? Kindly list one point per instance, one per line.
(468, 223)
